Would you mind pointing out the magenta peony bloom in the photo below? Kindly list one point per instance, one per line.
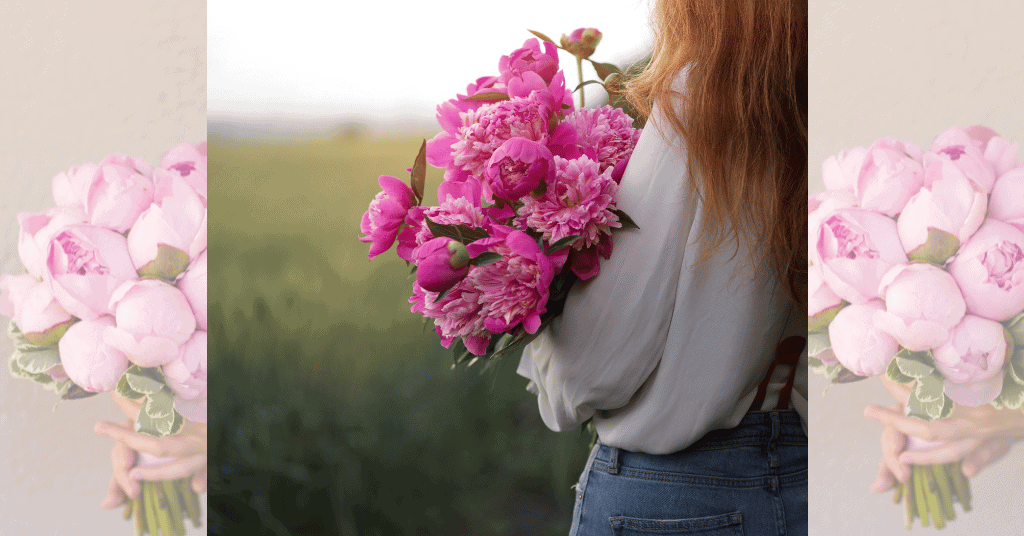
(972, 361)
(186, 373)
(608, 131)
(488, 127)
(513, 290)
(153, 320)
(91, 363)
(579, 200)
(187, 162)
(517, 167)
(459, 314)
(460, 205)
(71, 187)
(35, 311)
(890, 174)
(121, 189)
(84, 265)
(854, 248)
(386, 213)
(966, 154)
(581, 42)
(530, 58)
(990, 271)
(36, 231)
(441, 263)
(178, 221)
(856, 342)
(192, 284)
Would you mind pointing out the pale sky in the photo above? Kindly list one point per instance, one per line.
(378, 60)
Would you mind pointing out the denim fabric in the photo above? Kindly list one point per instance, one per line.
(750, 480)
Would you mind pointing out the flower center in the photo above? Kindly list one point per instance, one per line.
(184, 168)
(954, 152)
(512, 171)
(81, 260)
(1001, 263)
(852, 244)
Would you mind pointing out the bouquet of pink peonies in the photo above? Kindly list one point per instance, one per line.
(917, 273)
(526, 207)
(114, 300)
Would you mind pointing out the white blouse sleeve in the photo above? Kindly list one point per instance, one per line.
(613, 331)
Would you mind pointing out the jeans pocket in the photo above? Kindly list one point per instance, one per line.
(720, 525)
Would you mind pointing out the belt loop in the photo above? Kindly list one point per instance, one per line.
(613, 460)
(776, 426)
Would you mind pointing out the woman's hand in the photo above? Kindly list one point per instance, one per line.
(978, 436)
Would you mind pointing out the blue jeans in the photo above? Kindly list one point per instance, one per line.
(750, 480)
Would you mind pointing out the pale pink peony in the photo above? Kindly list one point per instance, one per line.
(121, 189)
(153, 320)
(84, 265)
(972, 360)
(186, 373)
(820, 298)
(857, 343)
(922, 304)
(177, 220)
(71, 187)
(192, 284)
(387, 211)
(36, 231)
(187, 162)
(840, 171)
(949, 202)
(820, 206)
(854, 248)
(989, 268)
(890, 174)
(1007, 200)
(514, 289)
(1002, 155)
(35, 311)
(607, 130)
(967, 154)
(89, 361)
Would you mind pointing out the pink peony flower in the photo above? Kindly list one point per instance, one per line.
(441, 263)
(972, 361)
(1002, 155)
(193, 285)
(121, 189)
(530, 59)
(1007, 200)
(856, 342)
(71, 187)
(89, 361)
(821, 301)
(84, 265)
(608, 131)
(153, 320)
(37, 229)
(581, 42)
(890, 174)
(186, 373)
(989, 268)
(187, 162)
(517, 167)
(177, 221)
(460, 205)
(459, 314)
(386, 213)
(819, 207)
(966, 154)
(31, 304)
(840, 171)
(949, 202)
(922, 304)
(854, 248)
(513, 290)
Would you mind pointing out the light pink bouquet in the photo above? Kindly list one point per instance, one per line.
(113, 298)
(526, 208)
(917, 273)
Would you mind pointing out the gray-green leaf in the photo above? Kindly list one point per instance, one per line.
(39, 360)
(144, 380)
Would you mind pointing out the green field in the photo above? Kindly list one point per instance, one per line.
(332, 409)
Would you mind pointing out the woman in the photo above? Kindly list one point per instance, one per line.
(667, 348)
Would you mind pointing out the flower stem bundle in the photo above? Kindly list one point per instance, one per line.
(162, 507)
(931, 492)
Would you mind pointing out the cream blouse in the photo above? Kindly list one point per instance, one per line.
(660, 351)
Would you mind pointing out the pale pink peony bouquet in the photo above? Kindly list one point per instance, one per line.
(917, 273)
(113, 298)
(526, 208)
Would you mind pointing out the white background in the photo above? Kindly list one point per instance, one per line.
(909, 70)
(80, 80)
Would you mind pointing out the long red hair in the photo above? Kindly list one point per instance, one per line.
(743, 117)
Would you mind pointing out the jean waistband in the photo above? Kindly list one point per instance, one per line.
(777, 427)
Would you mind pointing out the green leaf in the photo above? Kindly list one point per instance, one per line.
(1015, 366)
(542, 36)
(76, 392)
(818, 367)
(625, 220)
(817, 343)
(587, 83)
(559, 245)
(1012, 395)
(418, 175)
(1016, 328)
(820, 321)
(459, 351)
(929, 388)
(926, 411)
(914, 364)
(37, 361)
(939, 247)
(50, 337)
(145, 380)
(156, 427)
(18, 338)
(489, 96)
(169, 262)
(844, 375)
(126, 391)
(522, 339)
(485, 258)
(604, 69)
(462, 233)
(159, 404)
(893, 373)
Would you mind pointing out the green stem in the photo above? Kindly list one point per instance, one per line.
(149, 501)
(920, 494)
(579, 69)
(162, 516)
(174, 505)
(945, 491)
(909, 504)
(933, 500)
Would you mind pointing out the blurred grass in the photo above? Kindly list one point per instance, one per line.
(334, 411)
